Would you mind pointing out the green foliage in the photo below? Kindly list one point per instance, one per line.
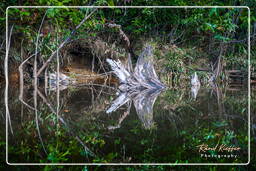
(201, 27)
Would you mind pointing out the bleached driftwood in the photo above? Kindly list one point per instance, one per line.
(141, 86)
(144, 75)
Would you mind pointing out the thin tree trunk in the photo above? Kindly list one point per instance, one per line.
(63, 43)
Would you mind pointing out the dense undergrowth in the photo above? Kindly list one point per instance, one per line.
(185, 40)
(197, 33)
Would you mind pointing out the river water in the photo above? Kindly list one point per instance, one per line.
(172, 126)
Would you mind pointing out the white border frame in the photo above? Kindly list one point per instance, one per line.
(167, 164)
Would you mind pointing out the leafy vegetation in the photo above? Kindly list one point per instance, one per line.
(185, 40)
(204, 30)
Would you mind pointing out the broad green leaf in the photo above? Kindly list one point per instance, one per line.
(213, 11)
(110, 3)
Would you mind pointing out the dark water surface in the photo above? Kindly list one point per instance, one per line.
(75, 127)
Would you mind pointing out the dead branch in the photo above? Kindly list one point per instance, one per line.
(8, 43)
(35, 86)
(103, 50)
(125, 114)
(218, 68)
(121, 32)
(64, 123)
(45, 80)
(46, 101)
(22, 82)
(58, 80)
(36, 119)
(2, 44)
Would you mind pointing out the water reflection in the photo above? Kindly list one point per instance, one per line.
(194, 91)
(181, 123)
(143, 101)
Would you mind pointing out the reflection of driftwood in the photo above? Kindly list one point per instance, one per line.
(195, 85)
(122, 99)
(194, 80)
(8, 42)
(58, 81)
(219, 97)
(22, 82)
(194, 91)
(126, 113)
(143, 101)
